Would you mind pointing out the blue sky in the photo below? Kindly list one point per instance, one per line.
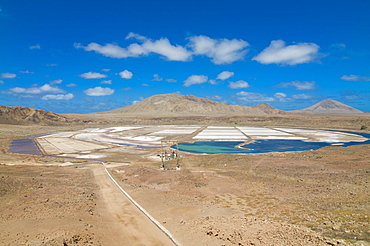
(91, 56)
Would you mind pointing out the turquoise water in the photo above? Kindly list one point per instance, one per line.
(260, 146)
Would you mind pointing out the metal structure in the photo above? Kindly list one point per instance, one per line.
(169, 154)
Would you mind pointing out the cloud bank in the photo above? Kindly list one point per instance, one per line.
(37, 90)
(65, 97)
(221, 51)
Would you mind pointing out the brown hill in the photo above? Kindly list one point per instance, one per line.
(29, 116)
(329, 106)
(267, 109)
(173, 104)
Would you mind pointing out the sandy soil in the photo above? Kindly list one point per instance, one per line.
(311, 198)
(69, 205)
(319, 197)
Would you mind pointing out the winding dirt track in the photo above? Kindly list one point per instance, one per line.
(130, 226)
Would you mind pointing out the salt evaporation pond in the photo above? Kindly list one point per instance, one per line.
(260, 146)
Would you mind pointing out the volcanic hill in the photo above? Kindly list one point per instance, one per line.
(329, 106)
(173, 104)
(28, 116)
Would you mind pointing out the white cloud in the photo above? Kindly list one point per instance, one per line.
(65, 97)
(109, 50)
(279, 53)
(38, 90)
(99, 91)
(27, 72)
(238, 84)
(299, 85)
(221, 51)
(254, 97)
(106, 82)
(71, 85)
(225, 75)
(164, 48)
(35, 47)
(212, 82)
(8, 75)
(355, 78)
(125, 74)
(352, 97)
(281, 97)
(93, 75)
(135, 36)
(106, 70)
(156, 77)
(339, 45)
(302, 96)
(1, 82)
(195, 79)
(57, 81)
(215, 97)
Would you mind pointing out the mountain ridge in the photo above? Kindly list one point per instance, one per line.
(173, 104)
(169, 105)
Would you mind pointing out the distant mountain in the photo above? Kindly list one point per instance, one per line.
(173, 104)
(27, 116)
(267, 109)
(329, 106)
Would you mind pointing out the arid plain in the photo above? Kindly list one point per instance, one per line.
(318, 197)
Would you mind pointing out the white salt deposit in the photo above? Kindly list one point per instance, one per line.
(175, 131)
(123, 128)
(93, 139)
(326, 136)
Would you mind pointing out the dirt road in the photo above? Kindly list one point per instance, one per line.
(130, 226)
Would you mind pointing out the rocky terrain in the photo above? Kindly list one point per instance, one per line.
(26, 116)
